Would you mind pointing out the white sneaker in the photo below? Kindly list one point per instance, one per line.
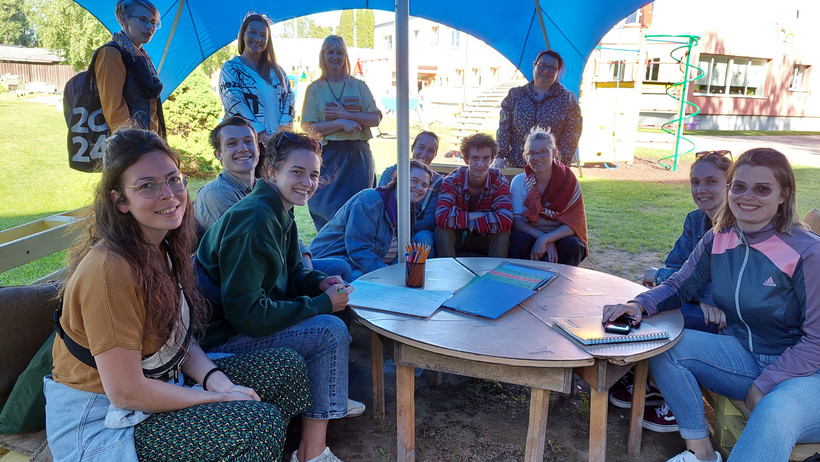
(689, 456)
(354, 408)
(325, 456)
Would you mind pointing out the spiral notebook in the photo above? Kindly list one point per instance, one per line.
(590, 331)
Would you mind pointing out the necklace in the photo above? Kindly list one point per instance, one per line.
(341, 93)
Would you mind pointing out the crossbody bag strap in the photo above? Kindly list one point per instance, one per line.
(80, 352)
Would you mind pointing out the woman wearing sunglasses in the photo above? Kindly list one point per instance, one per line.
(128, 83)
(707, 180)
(130, 317)
(252, 85)
(269, 299)
(543, 102)
(763, 266)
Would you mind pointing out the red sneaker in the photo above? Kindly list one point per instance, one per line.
(659, 419)
(620, 394)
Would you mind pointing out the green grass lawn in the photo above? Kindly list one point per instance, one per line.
(35, 182)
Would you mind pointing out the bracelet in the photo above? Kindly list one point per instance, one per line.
(208, 374)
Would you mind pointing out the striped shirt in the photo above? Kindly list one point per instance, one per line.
(454, 198)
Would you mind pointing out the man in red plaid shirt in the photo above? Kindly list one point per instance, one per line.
(474, 213)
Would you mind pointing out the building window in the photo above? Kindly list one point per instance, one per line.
(455, 38)
(617, 69)
(653, 68)
(434, 40)
(731, 75)
(388, 39)
(800, 78)
(460, 77)
(634, 19)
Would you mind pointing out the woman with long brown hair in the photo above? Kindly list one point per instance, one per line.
(253, 85)
(127, 329)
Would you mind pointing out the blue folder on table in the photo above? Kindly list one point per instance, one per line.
(487, 298)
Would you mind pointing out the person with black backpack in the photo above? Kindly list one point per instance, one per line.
(127, 80)
(121, 87)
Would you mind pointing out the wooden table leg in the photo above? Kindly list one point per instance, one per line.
(537, 431)
(405, 414)
(598, 407)
(377, 373)
(638, 400)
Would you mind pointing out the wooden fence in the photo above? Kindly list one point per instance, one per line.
(55, 74)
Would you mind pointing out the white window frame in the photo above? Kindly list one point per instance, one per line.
(726, 89)
(799, 80)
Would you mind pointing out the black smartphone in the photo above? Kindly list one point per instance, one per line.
(622, 325)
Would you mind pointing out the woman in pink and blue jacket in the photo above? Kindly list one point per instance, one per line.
(763, 267)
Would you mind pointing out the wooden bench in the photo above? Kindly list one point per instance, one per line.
(26, 314)
(730, 420)
(731, 414)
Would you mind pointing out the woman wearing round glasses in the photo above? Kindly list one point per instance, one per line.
(269, 299)
(341, 109)
(549, 220)
(364, 231)
(128, 82)
(252, 85)
(128, 327)
(543, 102)
(763, 267)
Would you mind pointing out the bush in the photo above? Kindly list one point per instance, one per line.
(191, 112)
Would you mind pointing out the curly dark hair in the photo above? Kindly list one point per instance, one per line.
(121, 233)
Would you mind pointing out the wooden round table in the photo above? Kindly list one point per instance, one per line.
(520, 347)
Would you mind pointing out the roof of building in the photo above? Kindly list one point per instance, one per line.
(21, 54)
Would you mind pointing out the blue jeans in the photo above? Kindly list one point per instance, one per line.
(75, 426)
(571, 250)
(693, 319)
(788, 414)
(332, 267)
(324, 342)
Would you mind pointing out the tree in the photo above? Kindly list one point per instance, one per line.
(345, 29)
(14, 24)
(317, 31)
(365, 23)
(214, 62)
(66, 27)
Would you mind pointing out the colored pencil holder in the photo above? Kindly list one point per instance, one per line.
(414, 274)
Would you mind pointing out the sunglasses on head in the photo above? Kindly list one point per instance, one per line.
(739, 188)
(721, 153)
(288, 137)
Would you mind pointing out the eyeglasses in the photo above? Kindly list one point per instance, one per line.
(546, 67)
(310, 143)
(721, 153)
(540, 154)
(149, 188)
(739, 188)
(146, 22)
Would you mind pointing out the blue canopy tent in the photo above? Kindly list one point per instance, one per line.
(192, 31)
(518, 29)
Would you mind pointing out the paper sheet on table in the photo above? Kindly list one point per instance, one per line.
(402, 300)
